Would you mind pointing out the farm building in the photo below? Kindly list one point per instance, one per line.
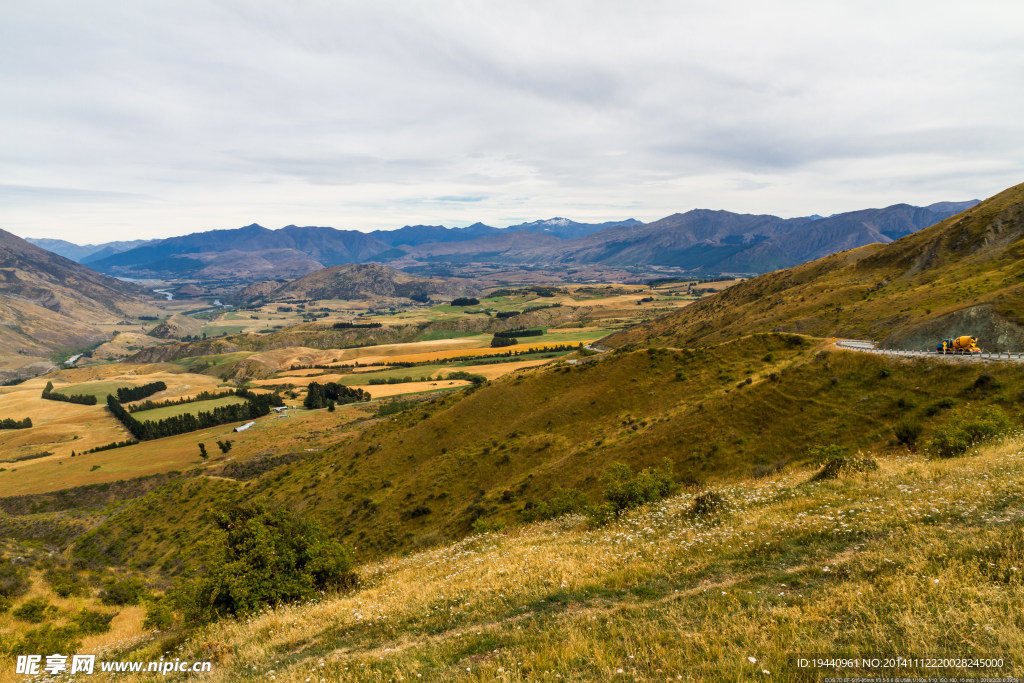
(242, 428)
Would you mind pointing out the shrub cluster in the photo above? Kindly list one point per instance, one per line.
(966, 429)
(260, 557)
(321, 395)
(846, 464)
(13, 582)
(624, 490)
(128, 591)
(8, 423)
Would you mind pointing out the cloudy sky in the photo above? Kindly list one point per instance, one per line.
(121, 120)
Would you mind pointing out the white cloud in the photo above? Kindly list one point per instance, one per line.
(125, 120)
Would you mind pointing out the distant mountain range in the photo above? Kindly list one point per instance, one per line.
(701, 241)
(84, 253)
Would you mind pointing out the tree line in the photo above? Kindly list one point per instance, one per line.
(128, 394)
(107, 447)
(8, 423)
(84, 399)
(520, 333)
(255, 405)
(355, 326)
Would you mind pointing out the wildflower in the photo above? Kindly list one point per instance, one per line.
(752, 660)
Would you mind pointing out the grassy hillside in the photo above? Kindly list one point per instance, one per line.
(892, 562)
(430, 474)
(961, 276)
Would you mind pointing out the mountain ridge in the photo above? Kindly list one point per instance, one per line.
(959, 276)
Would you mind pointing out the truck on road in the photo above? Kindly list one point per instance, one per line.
(960, 345)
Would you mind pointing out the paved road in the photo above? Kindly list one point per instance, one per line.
(870, 347)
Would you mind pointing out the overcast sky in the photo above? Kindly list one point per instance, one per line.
(121, 120)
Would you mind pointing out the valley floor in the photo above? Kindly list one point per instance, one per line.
(922, 558)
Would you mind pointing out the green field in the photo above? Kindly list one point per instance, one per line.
(97, 389)
(216, 329)
(212, 360)
(196, 407)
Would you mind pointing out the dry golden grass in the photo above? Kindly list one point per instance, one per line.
(923, 558)
(60, 427)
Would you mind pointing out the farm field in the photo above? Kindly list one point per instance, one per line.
(299, 431)
(182, 409)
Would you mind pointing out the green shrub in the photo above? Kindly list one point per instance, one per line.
(66, 583)
(90, 621)
(123, 592)
(623, 490)
(939, 406)
(908, 432)
(158, 615)
(484, 526)
(819, 455)
(48, 639)
(13, 580)
(966, 429)
(707, 503)
(257, 558)
(35, 610)
(562, 502)
(849, 464)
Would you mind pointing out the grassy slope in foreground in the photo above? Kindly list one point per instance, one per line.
(922, 558)
(961, 276)
(562, 426)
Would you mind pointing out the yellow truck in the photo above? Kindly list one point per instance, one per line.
(959, 345)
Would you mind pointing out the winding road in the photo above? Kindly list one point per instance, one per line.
(870, 347)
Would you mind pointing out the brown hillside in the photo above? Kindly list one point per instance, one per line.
(49, 303)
